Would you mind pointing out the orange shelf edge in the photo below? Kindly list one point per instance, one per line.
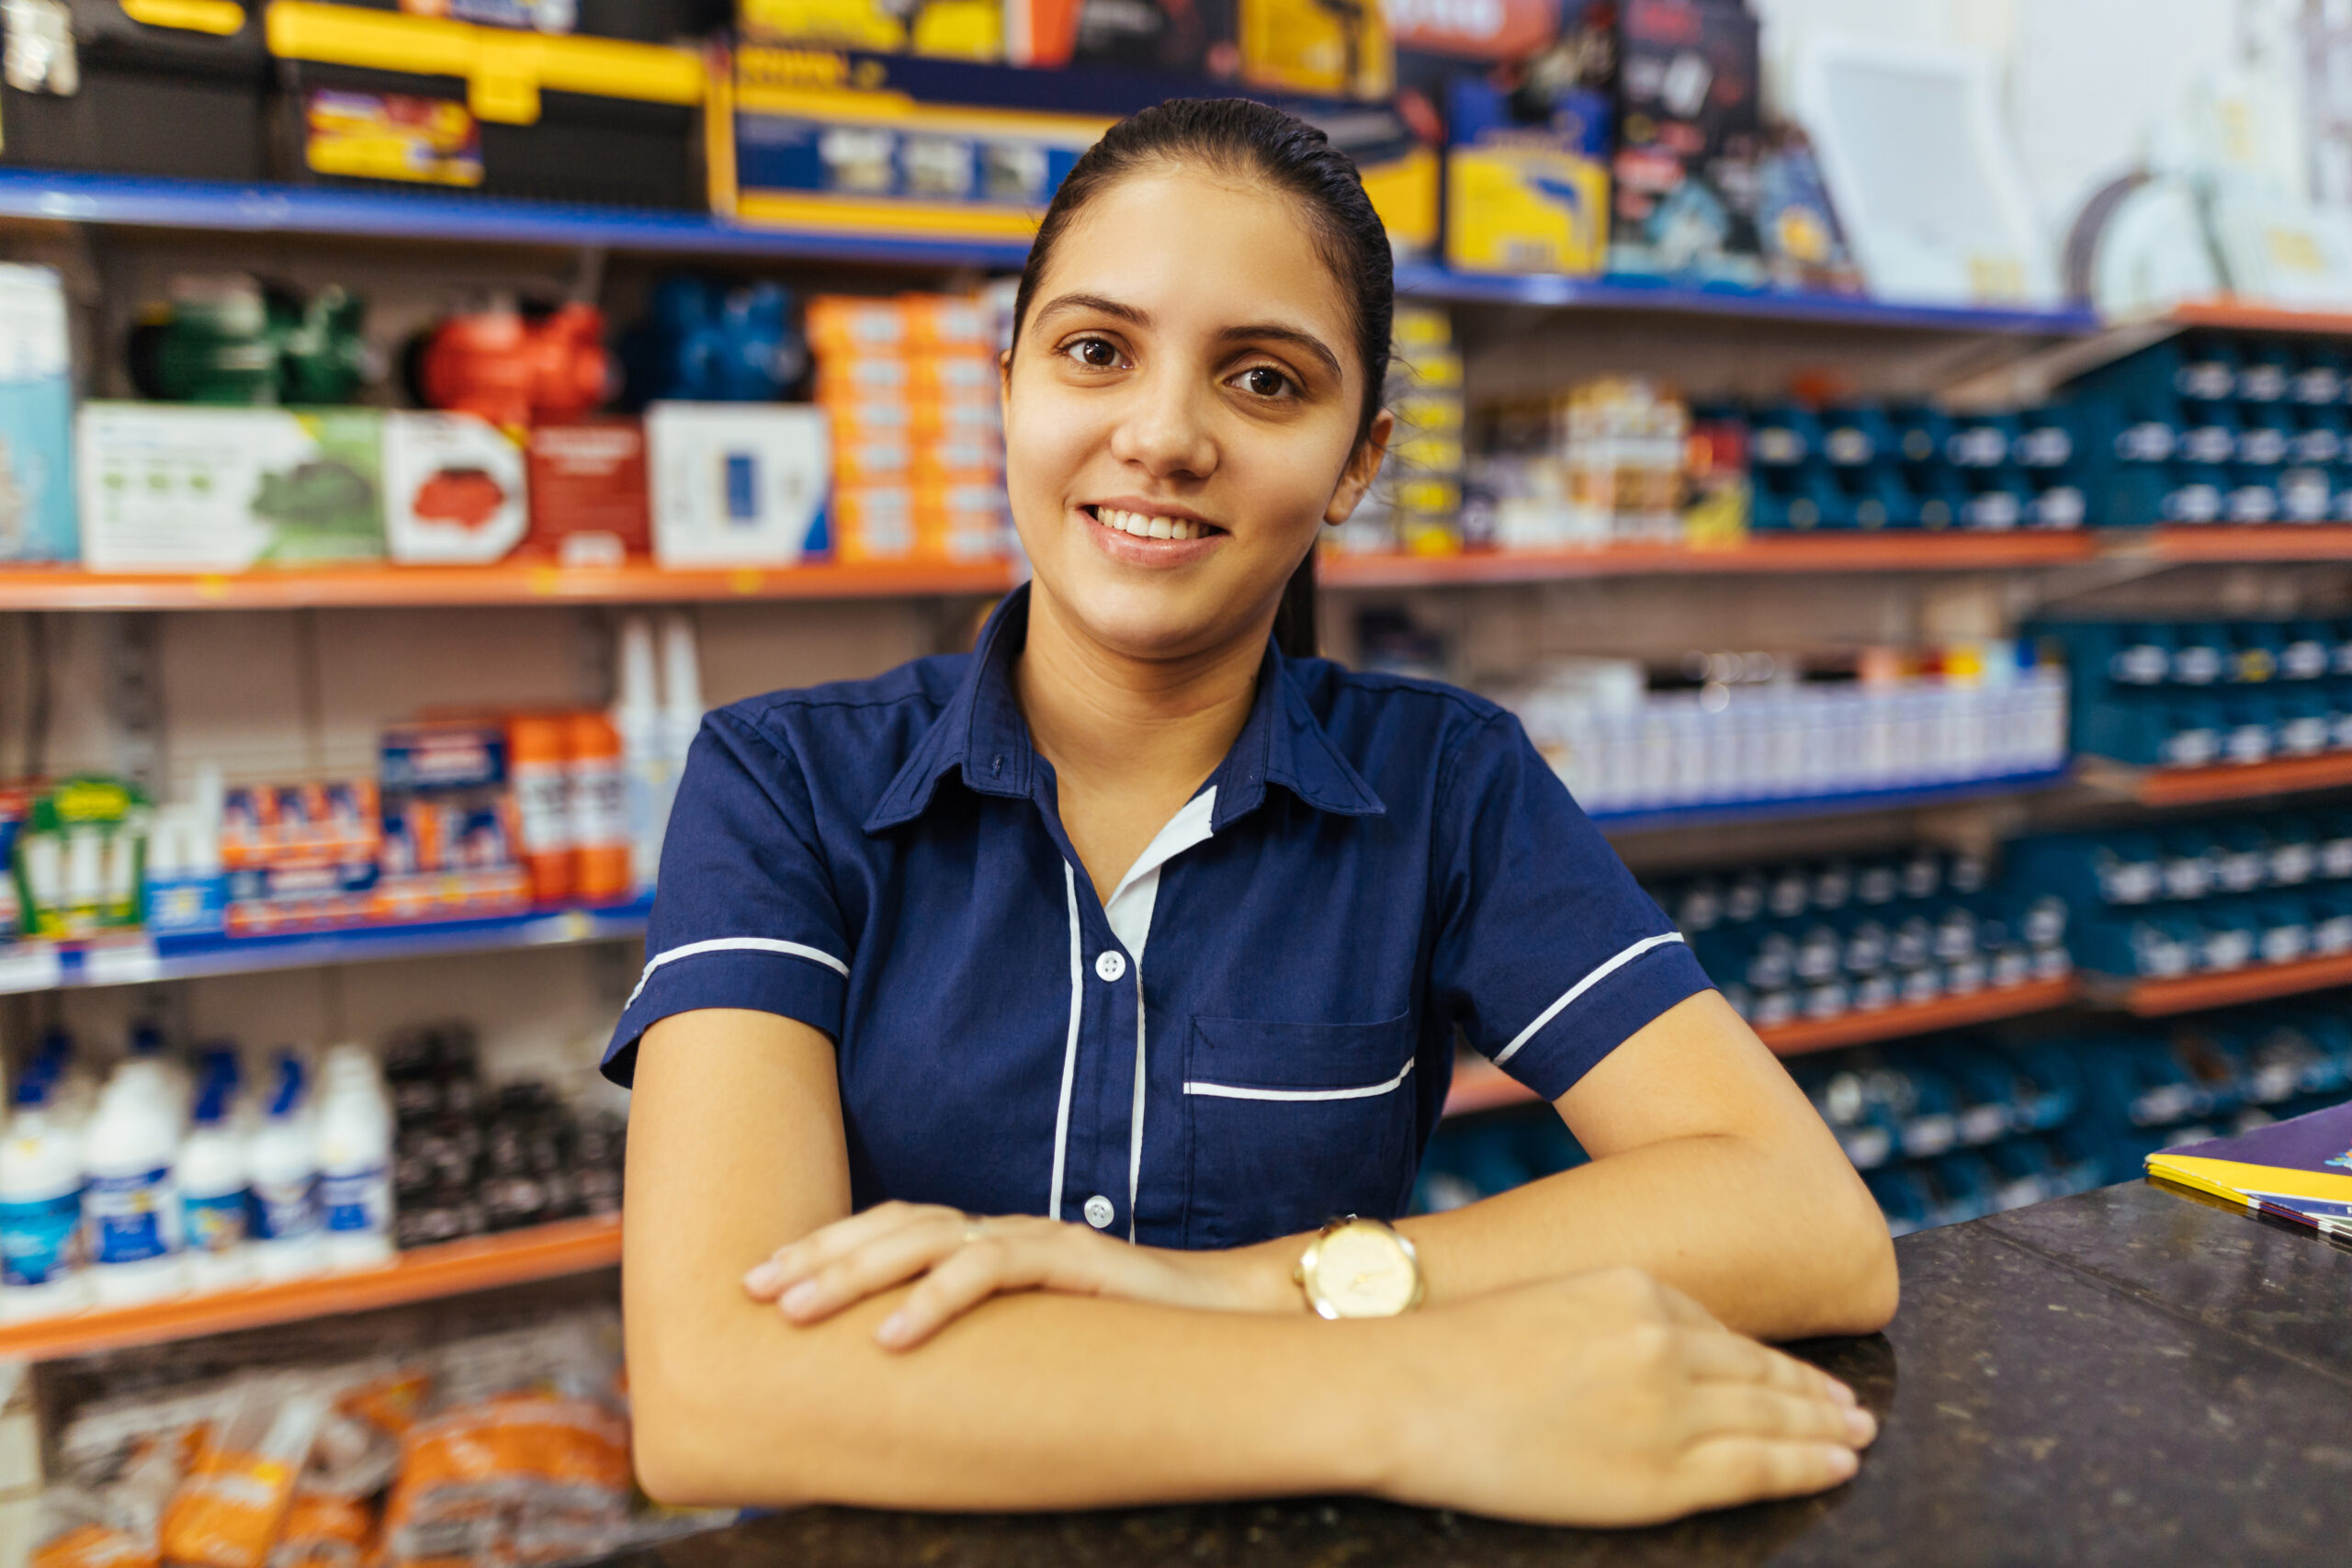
(2259, 982)
(1819, 552)
(2194, 786)
(2228, 314)
(427, 1273)
(2222, 543)
(1479, 1085)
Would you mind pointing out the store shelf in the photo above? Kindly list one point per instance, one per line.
(1794, 553)
(2199, 786)
(1671, 818)
(69, 588)
(1825, 309)
(427, 1273)
(136, 960)
(2227, 543)
(2193, 993)
(1479, 1085)
(2236, 316)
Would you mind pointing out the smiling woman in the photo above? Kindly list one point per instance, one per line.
(1016, 1018)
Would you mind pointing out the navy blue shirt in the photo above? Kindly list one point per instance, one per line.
(1254, 1035)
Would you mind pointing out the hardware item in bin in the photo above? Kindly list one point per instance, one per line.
(453, 492)
(179, 92)
(939, 149)
(588, 492)
(703, 342)
(39, 517)
(374, 97)
(514, 365)
(451, 840)
(231, 340)
(946, 30)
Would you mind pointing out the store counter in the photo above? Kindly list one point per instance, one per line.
(2130, 1376)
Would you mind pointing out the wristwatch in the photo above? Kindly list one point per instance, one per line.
(1360, 1268)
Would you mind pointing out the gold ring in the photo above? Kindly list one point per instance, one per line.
(976, 1227)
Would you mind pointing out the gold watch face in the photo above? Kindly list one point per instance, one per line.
(1364, 1271)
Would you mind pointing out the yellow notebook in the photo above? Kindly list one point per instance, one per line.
(2300, 1169)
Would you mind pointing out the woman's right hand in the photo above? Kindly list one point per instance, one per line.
(1610, 1399)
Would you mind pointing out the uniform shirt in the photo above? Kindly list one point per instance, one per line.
(1255, 1031)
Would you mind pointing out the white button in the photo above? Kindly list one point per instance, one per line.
(1110, 965)
(1099, 1213)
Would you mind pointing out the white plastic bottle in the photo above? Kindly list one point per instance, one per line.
(637, 715)
(283, 1163)
(132, 1201)
(41, 1209)
(355, 1159)
(216, 1189)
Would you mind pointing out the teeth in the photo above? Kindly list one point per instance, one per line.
(1147, 528)
(1161, 528)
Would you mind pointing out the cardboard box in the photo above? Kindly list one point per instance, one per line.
(1689, 141)
(1331, 49)
(1192, 38)
(37, 517)
(177, 488)
(454, 489)
(588, 492)
(1525, 198)
(738, 484)
(950, 29)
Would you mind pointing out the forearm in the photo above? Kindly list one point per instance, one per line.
(1034, 1401)
(1768, 1240)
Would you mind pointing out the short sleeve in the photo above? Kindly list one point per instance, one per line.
(744, 915)
(1548, 953)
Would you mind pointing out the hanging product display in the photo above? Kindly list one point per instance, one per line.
(513, 365)
(231, 340)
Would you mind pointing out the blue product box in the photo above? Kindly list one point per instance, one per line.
(38, 520)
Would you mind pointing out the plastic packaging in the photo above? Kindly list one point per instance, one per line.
(639, 718)
(227, 1508)
(216, 1195)
(602, 851)
(132, 1203)
(40, 1208)
(355, 1154)
(285, 1172)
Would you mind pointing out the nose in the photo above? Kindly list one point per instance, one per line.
(1164, 430)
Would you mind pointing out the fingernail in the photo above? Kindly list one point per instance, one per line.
(1843, 1463)
(764, 1278)
(1841, 1393)
(801, 1297)
(894, 1328)
(1860, 1426)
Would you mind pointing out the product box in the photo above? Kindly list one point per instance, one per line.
(1190, 38)
(588, 492)
(643, 21)
(37, 516)
(951, 30)
(300, 857)
(452, 834)
(172, 90)
(1332, 50)
(1688, 142)
(1525, 198)
(80, 849)
(373, 96)
(736, 484)
(454, 489)
(170, 487)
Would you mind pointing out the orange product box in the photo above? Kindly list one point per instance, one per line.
(588, 492)
(873, 522)
(873, 457)
(947, 321)
(846, 378)
(952, 455)
(841, 324)
(961, 375)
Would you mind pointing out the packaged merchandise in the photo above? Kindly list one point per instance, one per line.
(229, 340)
(229, 1507)
(1416, 505)
(1328, 51)
(737, 485)
(370, 96)
(947, 30)
(171, 92)
(188, 489)
(451, 838)
(79, 850)
(596, 794)
(1525, 195)
(536, 745)
(455, 493)
(285, 1175)
(131, 1152)
(587, 489)
(1684, 174)
(215, 1183)
(2205, 693)
(355, 1132)
(39, 517)
(1796, 223)
(1188, 40)
(186, 886)
(704, 343)
(513, 365)
(42, 1181)
(1872, 467)
(300, 857)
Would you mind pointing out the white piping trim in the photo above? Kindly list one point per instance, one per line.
(1369, 1091)
(736, 944)
(1135, 1117)
(1581, 987)
(1129, 908)
(1070, 1049)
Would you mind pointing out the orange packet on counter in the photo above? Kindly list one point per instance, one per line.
(227, 1508)
(323, 1531)
(94, 1546)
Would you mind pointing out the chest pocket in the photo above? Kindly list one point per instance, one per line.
(1287, 1124)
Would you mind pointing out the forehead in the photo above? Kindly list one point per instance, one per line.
(1200, 250)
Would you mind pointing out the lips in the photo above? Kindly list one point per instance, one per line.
(1149, 526)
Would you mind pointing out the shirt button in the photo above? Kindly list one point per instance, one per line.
(1099, 1213)
(1110, 964)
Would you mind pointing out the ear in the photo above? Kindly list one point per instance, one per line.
(1005, 374)
(1364, 467)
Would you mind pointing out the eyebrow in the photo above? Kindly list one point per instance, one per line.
(1256, 330)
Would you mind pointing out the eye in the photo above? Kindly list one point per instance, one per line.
(1264, 381)
(1094, 353)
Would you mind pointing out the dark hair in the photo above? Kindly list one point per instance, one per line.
(1238, 136)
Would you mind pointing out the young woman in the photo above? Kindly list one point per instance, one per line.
(1017, 1019)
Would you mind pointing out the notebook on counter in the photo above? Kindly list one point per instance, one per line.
(2299, 1170)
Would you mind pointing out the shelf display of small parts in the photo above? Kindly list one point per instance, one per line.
(1870, 467)
(2197, 692)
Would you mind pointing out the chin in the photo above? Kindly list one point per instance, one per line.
(1149, 620)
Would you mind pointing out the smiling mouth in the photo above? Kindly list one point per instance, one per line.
(1146, 525)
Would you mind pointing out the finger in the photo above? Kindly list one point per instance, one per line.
(883, 1262)
(797, 1260)
(1725, 1470)
(1062, 1260)
(1721, 1409)
(1734, 1358)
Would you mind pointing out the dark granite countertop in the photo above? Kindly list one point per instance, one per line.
(2132, 1376)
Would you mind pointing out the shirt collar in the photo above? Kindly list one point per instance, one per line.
(981, 734)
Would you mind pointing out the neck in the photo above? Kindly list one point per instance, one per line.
(1104, 718)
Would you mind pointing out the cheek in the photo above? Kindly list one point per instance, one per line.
(1050, 440)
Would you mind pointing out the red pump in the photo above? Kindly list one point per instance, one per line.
(513, 369)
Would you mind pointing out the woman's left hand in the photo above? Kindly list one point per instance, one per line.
(963, 1259)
